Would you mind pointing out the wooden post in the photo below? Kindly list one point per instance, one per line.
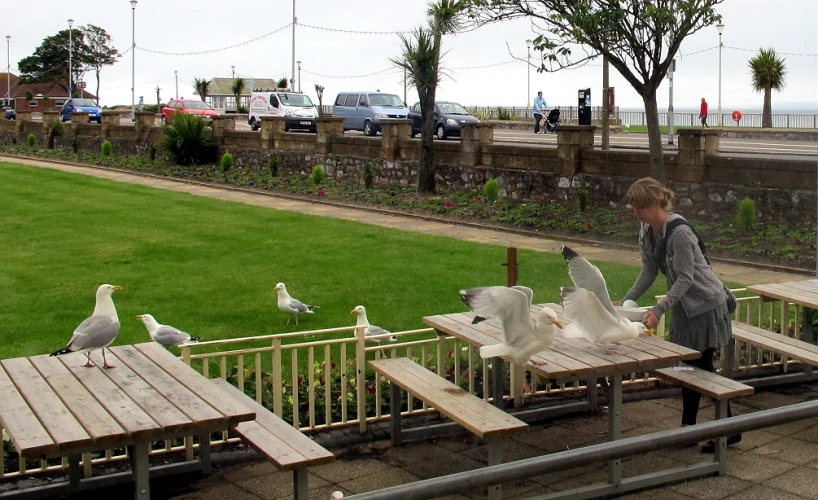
(511, 263)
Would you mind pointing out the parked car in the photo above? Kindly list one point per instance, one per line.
(81, 105)
(448, 117)
(364, 110)
(188, 107)
(9, 113)
(298, 110)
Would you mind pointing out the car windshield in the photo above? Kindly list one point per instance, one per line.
(297, 100)
(390, 100)
(84, 103)
(196, 105)
(452, 108)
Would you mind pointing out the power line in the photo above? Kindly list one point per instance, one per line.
(211, 51)
(354, 32)
(388, 70)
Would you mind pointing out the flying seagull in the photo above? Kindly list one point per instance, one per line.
(522, 336)
(371, 330)
(290, 306)
(527, 291)
(165, 334)
(97, 331)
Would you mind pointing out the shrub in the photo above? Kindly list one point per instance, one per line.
(107, 148)
(152, 153)
(226, 162)
(317, 174)
(56, 129)
(76, 144)
(506, 114)
(189, 140)
(371, 171)
(492, 190)
(31, 140)
(273, 163)
(746, 216)
(242, 109)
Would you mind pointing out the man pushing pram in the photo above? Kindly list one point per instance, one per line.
(551, 122)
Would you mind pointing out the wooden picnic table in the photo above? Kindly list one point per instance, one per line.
(803, 293)
(56, 407)
(578, 359)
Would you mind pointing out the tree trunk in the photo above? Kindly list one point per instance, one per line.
(97, 93)
(426, 172)
(657, 158)
(767, 109)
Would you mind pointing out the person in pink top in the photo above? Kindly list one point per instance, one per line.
(703, 112)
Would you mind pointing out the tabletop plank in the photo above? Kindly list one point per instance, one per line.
(99, 424)
(57, 419)
(180, 396)
(27, 433)
(162, 411)
(804, 293)
(224, 403)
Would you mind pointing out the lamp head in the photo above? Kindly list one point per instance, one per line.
(528, 43)
(8, 38)
(133, 4)
(720, 27)
(70, 23)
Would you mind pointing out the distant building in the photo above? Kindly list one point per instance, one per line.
(221, 97)
(48, 96)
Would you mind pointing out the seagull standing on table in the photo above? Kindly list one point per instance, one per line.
(165, 334)
(97, 331)
(528, 293)
(371, 330)
(291, 306)
(589, 307)
(522, 336)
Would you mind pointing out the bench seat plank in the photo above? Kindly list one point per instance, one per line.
(99, 424)
(29, 436)
(222, 402)
(277, 440)
(484, 420)
(64, 429)
(781, 344)
(710, 384)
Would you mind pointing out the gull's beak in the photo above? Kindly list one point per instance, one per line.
(139, 317)
(650, 332)
(116, 288)
(559, 324)
(352, 311)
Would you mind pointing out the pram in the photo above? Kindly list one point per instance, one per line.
(553, 120)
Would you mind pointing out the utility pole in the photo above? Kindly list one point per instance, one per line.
(670, 101)
(605, 115)
(176, 74)
(295, 21)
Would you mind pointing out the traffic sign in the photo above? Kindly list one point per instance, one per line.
(82, 85)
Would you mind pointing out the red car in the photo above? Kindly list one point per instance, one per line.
(189, 107)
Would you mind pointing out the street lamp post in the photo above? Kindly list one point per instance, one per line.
(233, 69)
(295, 21)
(299, 76)
(70, 56)
(133, 60)
(8, 71)
(528, 85)
(176, 75)
(720, 27)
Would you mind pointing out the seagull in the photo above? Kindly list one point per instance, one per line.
(371, 330)
(522, 336)
(165, 334)
(527, 291)
(291, 306)
(97, 331)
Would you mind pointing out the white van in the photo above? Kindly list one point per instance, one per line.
(298, 108)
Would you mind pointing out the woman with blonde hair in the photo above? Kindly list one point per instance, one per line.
(696, 296)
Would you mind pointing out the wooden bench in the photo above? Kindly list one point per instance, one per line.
(479, 417)
(278, 441)
(720, 389)
(781, 344)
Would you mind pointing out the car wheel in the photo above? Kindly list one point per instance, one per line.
(440, 132)
(368, 130)
(253, 124)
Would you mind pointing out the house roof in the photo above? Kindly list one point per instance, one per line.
(50, 89)
(221, 86)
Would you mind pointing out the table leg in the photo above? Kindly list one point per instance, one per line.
(729, 364)
(394, 412)
(721, 443)
(593, 396)
(204, 453)
(615, 426)
(141, 470)
(300, 486)
(74, 470)
(497, 382)
(495, 458)
(807, 335)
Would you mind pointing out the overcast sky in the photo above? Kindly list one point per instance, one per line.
(334, 51)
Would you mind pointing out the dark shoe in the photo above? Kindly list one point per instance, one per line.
(710, 446)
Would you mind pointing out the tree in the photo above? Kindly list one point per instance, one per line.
(201, 86)
(421, 60)
(640, 39)
(49, 63)
(767, 72)
(282, 83)
(237, 88)
(98, 50)
(319, 91)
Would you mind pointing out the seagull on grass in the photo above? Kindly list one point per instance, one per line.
(290, 306)
(98, 331)
(371, 330)
(522, 336)
(165, 334)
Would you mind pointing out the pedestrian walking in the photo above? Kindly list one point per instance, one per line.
(539, 111)
(703, 113)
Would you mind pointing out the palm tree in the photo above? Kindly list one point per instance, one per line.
(201, 87)
(237, 88)
(767, 72)
(421, 60)
(319, 90)
(283, 83)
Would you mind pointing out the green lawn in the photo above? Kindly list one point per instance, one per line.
(209, 266)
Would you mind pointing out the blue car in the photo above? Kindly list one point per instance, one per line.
(10, 114)
(81, 106)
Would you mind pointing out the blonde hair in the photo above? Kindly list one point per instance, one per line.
(647, 190)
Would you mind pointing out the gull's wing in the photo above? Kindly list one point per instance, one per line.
(527, 291)
(583, 308)
(168, 335)
(509, 306)
(297, 305)
(94, 333)
(588, 276)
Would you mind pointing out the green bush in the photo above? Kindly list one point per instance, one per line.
(506, 114)
(54, 130)
(371, 171)
(152, 153)
(746, 216)
(107, 148)
(189, 140)
(226, 162)
(492, 190)
(76, 144)
(317, 174)
(273, 163)
(31, 140)
(242, 109)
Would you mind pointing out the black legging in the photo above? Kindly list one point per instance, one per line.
(690, 397)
